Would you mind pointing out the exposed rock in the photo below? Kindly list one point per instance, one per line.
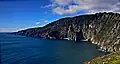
(102, 29)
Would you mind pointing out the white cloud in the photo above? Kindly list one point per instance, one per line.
(89, 6)
(9, 29)
(37, 23)
(47, 6)
(43, 20)
(61, 11)
(62, 2)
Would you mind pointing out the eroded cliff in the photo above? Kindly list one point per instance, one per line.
(102, 29)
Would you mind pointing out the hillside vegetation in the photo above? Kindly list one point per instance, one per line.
(102, 29)
(113, 58)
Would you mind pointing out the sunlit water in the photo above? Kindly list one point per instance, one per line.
(25, 50)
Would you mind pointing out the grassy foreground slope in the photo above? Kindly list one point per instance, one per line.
(113, 58)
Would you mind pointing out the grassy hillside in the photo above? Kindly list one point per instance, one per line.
(113, 58)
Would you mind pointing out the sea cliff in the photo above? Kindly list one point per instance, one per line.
(102, 29)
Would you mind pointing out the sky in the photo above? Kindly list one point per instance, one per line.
(16, 15)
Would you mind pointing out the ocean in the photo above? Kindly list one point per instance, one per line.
(16, 49)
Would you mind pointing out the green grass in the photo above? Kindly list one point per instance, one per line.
(113, 58)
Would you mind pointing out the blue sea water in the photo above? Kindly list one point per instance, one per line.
(17, 49)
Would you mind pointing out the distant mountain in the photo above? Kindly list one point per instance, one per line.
(102, 29)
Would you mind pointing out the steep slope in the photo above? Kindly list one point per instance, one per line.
(113, 58)
(102, 29)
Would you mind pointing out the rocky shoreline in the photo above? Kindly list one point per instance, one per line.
(102, 29)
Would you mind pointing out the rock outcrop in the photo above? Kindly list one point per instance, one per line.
(102, 29)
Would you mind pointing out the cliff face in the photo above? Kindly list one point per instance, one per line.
(102, 29)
